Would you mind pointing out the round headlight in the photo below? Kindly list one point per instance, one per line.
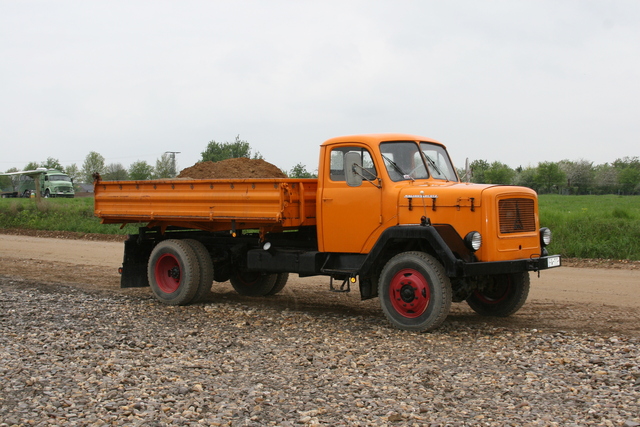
(545, 236)
(473, 240)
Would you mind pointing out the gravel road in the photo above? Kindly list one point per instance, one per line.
(77, 350)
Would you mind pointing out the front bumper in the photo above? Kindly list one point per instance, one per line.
(514, 266)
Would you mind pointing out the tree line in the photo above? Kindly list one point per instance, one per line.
(563, 177)
(165, 166)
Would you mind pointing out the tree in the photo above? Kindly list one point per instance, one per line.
(606, 179)
(31, 166)
(300, 171)
(115, 172)
(93, 163)
(499, 173)
(9, 182)
(549, 176)
(52, 163)
(629, 179)
(579, 175)
(526, 178)
(628, 174)
(72, 171)
(165, 167)
(478, 168)
(140, 170)
(217, 151)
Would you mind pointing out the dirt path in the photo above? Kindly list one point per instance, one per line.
(590, 299)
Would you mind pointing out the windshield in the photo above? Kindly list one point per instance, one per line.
(438, 162)
(406, 160)
(59, 178)
(403, 160)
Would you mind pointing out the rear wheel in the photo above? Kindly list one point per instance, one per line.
(414, 292)
(281, 281)
(206, 269)
(251, 283)
(500, 295)
(173, 271)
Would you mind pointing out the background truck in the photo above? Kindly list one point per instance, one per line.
(52, 183)
(387, 211)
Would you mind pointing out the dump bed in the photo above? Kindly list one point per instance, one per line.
(209, 204)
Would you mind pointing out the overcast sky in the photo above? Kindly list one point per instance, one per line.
(515, 81)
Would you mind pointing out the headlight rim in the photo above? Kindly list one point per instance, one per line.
(473, 241)
(545, 236)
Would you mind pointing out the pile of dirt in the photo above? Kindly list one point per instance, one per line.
(241, 167)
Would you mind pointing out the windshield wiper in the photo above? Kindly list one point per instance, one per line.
(433, 164)
(397, 168)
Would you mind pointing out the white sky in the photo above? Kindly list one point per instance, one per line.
(516, 81)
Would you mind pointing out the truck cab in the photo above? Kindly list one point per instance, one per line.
(371, 183)
(398, 195)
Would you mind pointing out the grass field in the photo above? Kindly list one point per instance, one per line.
(582, 226)
(605, 226)
(56, 215)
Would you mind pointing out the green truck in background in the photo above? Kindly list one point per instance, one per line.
(53, 183)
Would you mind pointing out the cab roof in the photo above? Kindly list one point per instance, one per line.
(376, 138)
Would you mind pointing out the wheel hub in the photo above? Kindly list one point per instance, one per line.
(409, 293)
(174, 273)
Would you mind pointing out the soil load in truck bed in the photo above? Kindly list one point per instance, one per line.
(241, 167)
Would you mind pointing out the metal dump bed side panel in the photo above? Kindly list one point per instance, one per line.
(281, 202)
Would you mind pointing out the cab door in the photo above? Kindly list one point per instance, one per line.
(350, 214)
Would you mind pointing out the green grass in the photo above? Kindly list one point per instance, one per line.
(605, 226)
(56, 215)
(582, 226)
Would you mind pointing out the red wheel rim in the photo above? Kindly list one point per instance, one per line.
(167, 272)
(409, 293)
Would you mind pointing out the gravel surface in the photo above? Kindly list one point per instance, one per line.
(72, 356)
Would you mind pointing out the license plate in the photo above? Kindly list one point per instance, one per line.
(553, 261)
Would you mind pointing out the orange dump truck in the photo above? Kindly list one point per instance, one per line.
(387, 212)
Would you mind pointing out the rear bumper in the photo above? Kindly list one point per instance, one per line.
(514, 266)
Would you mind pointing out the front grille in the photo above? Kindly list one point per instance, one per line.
(516, 216)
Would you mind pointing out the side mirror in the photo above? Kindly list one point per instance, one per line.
(352, 161)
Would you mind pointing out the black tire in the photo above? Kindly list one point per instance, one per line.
(500, 295)
(206, 269)
(252, 284)
(281, 281)
(173, 271)
(47, 194)
(221, 272)
(414, 291)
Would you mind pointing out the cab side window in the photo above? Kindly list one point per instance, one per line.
(337, 163)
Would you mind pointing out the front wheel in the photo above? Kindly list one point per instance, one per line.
(414, 291)
(173, 271)
(500, 295)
